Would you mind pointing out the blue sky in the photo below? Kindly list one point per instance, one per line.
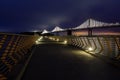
(30, 15)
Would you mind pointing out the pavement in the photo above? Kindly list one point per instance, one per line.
(56, 61)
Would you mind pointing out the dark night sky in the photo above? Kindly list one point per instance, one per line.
(30, 15)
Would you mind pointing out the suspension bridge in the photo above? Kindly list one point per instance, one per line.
(89, 51)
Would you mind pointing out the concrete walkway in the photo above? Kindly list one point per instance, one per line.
(53, 61)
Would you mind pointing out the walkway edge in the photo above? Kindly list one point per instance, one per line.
(19, 77)
(107, 60)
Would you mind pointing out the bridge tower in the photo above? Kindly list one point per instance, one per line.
(89, 29)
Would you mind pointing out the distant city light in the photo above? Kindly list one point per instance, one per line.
(35, 31)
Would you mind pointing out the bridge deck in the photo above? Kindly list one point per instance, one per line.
(52, 61)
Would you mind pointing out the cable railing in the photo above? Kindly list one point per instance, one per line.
(13, 48)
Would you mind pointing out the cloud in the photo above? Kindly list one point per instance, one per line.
(45, 14)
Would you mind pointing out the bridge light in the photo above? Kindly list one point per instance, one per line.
(50, 38)
(90, 49)
(40, 38)
(57, 39)
(37, 42)
(53, 38)
(65, 42)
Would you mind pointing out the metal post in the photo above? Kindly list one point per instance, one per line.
(89, 32)
(89, 29)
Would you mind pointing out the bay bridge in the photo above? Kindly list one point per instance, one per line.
(89, 51)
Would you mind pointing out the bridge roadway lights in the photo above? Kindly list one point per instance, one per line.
(54, 39)
(89, 49)
(40, 38)
(57, 40)
(65, 42)
(37, 41)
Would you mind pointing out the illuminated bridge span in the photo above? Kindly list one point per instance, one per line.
(90, 23)
(89, 51)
